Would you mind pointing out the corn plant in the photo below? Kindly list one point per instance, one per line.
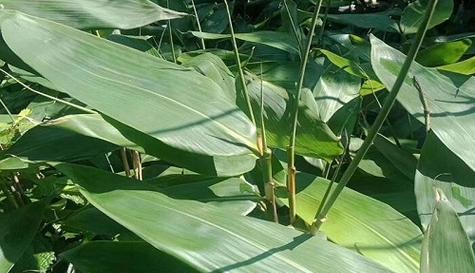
(237, 136)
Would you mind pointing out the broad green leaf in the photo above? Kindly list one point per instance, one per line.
(445, 53)
(377, 20)
(364, 224)
(412, 15)
(214, 68)
(348, 65)
(279, 40)
(314, 137)
(446, 247)
(88, 14)
(334, 89)
(47, 143)
(155, 96)
(231, 244)
(39, 257)
(466, 67)
(450, 98)
(91, 220)
(130, 257)
(89, 133)
(17, 230)
(439, 168)
(403, 160)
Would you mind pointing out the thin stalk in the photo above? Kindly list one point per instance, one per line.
(425, 105)
(46, 95)
(238, 61)
(8, 111)
(325, 17)
(388, 104)
(203, 45)
(266, 159)
(333, 180)
(294, 28)
(19, 189)
(125, 161)
(291, 174)
(170, 33)
(137, 162)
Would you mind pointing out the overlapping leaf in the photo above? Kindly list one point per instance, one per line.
(450, 98)
(364, 224)
(124, 14)
(176, 105)
(231, 244)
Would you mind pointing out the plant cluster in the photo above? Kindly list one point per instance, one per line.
(249, 136)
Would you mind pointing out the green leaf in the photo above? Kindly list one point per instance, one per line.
(450, 98)
(214, 68)
(48, 143)
(377, 20)
(17, 230)
(364, 224)
(444, 53)
(155, 95)
(314, 137)
(91, 220)
(92, 126)
(94, 14)
(130, 257)
(403, 160)
(446, 247)
(279, 40)
(466, 67)
(440, 168)
(231, 244)
(412, 15)
(334, 89)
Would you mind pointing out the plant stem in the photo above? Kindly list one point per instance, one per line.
(170, 33)
(425, 105)
(137, 162)
(266, 159)
(125, 161)
(238, 61)
(294, 28)
(291, 175)
(388, 104)
(203, 45)
(327, 8)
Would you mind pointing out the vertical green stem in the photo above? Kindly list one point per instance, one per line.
(388, 104)
(266, 159)
(291, 176)
(238, 61)
(325, 17)
(203, 45)
(170, 33)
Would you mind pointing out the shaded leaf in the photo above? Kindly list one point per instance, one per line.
(450, 98)
(130, 257)
(238, 244)
(17, 230)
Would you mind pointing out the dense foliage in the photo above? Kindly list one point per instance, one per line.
(247, 136)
